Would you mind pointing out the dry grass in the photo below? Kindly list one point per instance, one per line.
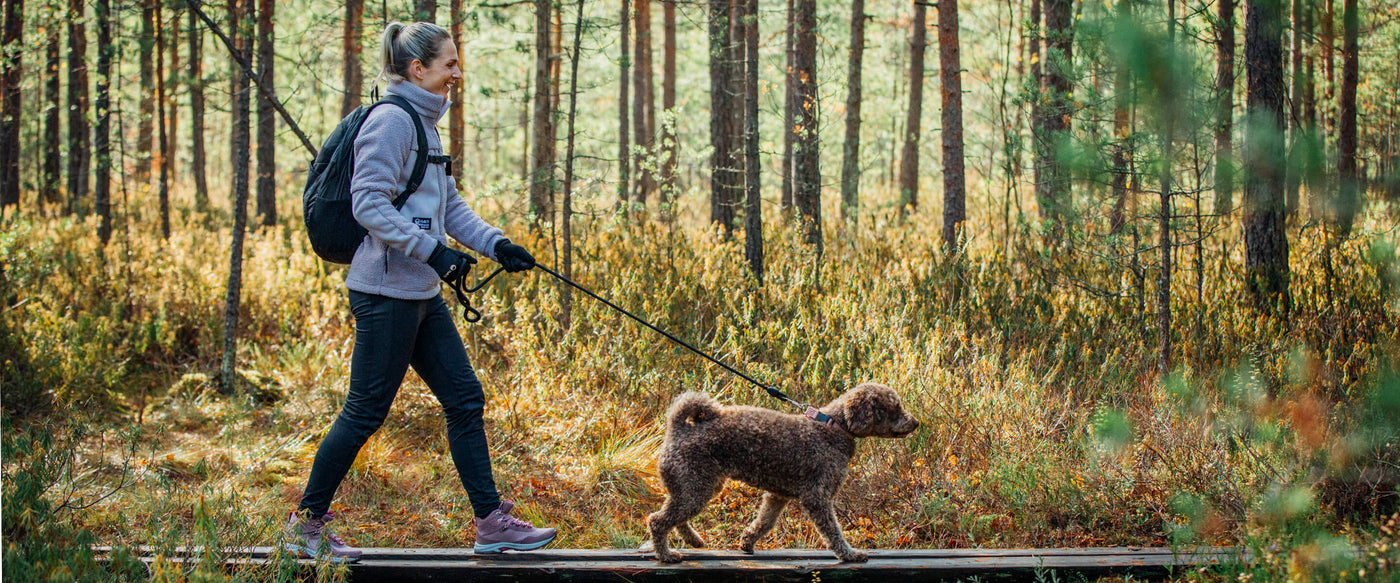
(1045, 423)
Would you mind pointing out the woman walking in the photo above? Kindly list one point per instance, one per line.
(400, 316)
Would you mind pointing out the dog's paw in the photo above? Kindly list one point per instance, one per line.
(669, 557)
(854, 556)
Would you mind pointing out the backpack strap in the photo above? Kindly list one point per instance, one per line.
(420, 165)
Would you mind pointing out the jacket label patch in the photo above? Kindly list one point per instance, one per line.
(423, 223)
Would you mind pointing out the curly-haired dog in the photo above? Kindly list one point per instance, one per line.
(790, 456)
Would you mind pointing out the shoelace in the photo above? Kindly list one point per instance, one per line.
(322, 530)
(515, 522)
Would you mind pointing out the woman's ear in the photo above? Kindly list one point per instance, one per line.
(416, 69)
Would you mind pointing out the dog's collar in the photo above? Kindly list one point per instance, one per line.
(816, 415)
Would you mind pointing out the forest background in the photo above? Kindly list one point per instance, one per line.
(1137, 275)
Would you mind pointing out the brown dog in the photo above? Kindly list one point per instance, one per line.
(790, 456)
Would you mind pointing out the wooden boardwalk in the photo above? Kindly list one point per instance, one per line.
(703, 565)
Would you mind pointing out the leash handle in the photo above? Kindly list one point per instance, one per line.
(470, 314)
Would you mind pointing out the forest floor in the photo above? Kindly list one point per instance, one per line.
(1034, 372)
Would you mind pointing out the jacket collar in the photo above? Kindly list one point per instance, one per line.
(429, 105)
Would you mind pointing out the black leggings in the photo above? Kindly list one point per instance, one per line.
(391, 334)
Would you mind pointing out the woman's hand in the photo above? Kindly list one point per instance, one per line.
(450, 264)
(513, 257)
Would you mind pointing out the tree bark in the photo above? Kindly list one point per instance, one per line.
(909, 160)
(643, 116)
(172, 81)
(789, 109)
(1052, 188)
(102, 184)
(241, 26)
(725, 176)
(950, 69)
(1266, 244)
(542, 169)
(807, 177)
(267, 118)
(668, 103)
(1121, 131)
(456, 120)
(48, 187)
(11, 103)
(79, 147)
(163, 186)
(425, 10)
(624, 149)
(1328, 39)
(1293, 176)
(566, 293)
(1348, 199)
(145, 122)
(1224, 107)
(753, 209)
(850, 155)
(201, 186)
(351, 74)
(1037, 88)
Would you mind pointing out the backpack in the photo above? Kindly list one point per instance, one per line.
(330, 220)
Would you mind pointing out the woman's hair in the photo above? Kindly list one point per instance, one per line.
(403, 43)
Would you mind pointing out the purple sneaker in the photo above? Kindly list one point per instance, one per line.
(304, 536)
(500, 531)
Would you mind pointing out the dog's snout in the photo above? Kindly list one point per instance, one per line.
(906, 426)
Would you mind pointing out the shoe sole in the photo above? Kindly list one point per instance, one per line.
(305, 553)
(497, 548)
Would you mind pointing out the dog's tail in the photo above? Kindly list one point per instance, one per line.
(692, 408)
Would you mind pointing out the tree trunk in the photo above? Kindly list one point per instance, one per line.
(542, 171)
(102, 185)
(172, 77)
(807, 177)
(201, 186)
(668, 103)
(1170, 104)
(950, 69)
(1224, 107)
(566, 293)
(1266, 244)
(425, 10)
(624, 149)
(1348, 199)
(267, 118)
(163, 186)
(753, 209)
(1121, 131)
(1293, 176)
(79, 148)
(525, 128)
(725, 176)
(456, 120)
(643, 118)
(1037, 87)
(1052, 189)
(909, 160)
(1328, 39)
(850, 155)
(351, 74)
(240, 28)
(145, 121)
(10, 102)
(789, 109)
(48, 187)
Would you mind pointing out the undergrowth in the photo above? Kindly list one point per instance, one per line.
(1033, 369)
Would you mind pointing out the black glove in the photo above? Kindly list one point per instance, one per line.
(513, 257)
(450, 264)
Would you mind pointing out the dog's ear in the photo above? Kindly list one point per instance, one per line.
(860, 413)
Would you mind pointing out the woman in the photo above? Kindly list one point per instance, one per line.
(400, 316)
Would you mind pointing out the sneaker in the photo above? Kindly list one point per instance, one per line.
(304, 536)
(500, 531)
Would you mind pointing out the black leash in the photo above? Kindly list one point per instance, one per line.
(473, 315)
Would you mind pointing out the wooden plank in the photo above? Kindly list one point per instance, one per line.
(613, 565)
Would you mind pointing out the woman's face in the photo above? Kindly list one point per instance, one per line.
(439, 76)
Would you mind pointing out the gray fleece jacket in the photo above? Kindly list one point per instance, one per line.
(391, 260)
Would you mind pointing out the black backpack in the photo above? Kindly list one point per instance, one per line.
(330, 221)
